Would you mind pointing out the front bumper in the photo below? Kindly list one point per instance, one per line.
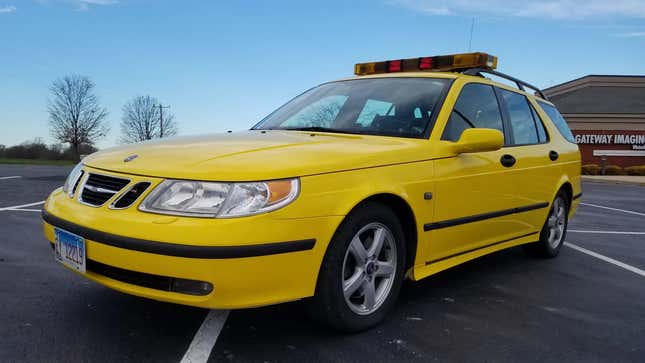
(251, 261)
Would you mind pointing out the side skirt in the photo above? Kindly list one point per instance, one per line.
(419, 272)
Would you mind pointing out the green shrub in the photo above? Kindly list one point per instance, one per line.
(635, 170)
(614, 170)
(590, 169)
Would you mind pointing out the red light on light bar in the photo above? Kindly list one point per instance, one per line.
(395, 66)
(425, 63)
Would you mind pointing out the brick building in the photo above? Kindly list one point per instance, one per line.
(607, 116)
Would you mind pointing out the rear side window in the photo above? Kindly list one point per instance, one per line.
(558, 121)
(476, 107)
(521, 119)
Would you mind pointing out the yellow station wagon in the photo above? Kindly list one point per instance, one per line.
(409, 168)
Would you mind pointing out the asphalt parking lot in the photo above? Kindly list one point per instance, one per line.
(586, 305)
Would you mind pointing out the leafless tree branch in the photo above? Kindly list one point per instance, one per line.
(141, 120)
(75, 115)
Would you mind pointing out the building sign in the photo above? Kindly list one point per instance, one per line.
(636, 141)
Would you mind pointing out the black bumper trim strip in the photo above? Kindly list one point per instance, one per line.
(577, 196)
(479, 248)
(179, 250)
(483, 216)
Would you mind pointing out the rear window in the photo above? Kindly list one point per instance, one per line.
(558, 121)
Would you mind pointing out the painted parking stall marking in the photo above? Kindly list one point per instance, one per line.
(614, 209)
(605, 232)
(17, 207)
(623, 265)
(206, 337)
(10, 177)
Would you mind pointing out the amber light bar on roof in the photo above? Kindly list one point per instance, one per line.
(451, 62)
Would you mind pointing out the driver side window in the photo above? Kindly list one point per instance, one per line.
(476, 107)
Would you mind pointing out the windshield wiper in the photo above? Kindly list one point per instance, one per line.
(315, 128)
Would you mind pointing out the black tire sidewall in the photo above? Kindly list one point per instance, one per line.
(329, 292)
(544, 234)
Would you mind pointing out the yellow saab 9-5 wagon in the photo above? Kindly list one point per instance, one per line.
(410, 168)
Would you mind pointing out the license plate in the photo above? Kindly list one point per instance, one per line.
(70, 249)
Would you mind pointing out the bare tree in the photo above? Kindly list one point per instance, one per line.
(75, 116)
(144, 119)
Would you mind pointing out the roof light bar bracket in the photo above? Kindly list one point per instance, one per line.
(520, 84)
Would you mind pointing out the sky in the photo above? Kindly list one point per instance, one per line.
(224, 65)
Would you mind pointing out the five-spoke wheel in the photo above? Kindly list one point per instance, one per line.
(369, 268)
(362, 270)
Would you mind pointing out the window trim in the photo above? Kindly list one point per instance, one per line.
(509, 125)
(437, 109)
(539, 120)
(499, 107)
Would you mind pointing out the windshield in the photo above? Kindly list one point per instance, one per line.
(385, 106)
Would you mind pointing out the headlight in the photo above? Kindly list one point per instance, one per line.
(72, 179)
(220, 200)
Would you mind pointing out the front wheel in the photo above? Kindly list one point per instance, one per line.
(554, 230)
(362, 271)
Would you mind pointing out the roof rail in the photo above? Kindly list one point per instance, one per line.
(520, 84)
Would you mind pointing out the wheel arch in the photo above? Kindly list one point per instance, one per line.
(567, 188)
(406, 216)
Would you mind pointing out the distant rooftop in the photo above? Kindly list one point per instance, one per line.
(600, 94)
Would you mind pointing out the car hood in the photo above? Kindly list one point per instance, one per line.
(257, 155)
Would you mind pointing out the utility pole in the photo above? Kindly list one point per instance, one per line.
(161, 118)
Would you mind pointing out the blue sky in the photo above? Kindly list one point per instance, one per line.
(225, 64)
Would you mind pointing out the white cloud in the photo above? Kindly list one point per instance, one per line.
(83, 5)
(550, 9)
(80, 5)
(631, 35)
(7, 9)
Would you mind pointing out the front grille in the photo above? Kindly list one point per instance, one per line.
(131, 195)
(157, 282)
(99, 188)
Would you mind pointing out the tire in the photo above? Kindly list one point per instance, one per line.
(554, 230)
(352, 267)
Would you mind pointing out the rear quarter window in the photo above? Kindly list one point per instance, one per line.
(559, 121)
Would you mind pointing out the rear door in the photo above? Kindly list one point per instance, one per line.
(536, 170)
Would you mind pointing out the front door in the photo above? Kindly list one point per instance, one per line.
(476, 194)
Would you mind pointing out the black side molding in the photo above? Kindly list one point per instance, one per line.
(179, 250)
(479, 248)
(483, 216)
(577, 196)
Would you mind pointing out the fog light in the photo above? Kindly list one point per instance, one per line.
(191, 287)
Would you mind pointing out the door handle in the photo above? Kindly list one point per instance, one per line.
(507, 160)
(553, 155)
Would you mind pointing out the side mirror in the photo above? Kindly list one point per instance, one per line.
(479, 140)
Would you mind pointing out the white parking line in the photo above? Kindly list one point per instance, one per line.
(604, 232)
(25, 210)
(627, 267)
(206, 337)
(616, 209)
(22, 205)
(10, 177)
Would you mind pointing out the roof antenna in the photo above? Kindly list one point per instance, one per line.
(470, 41)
